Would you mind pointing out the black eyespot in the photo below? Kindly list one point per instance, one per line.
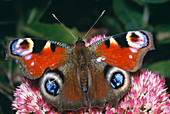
(133, 35)
(52, 87)
(24, 42)
(117, 80)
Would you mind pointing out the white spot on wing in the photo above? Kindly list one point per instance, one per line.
(28, 57)
(26, 52)
(130, 56)
(32, 64)
(18, 51)
(133, 50)
(100, 59)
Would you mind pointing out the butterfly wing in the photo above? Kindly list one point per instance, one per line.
(112, 58)
(66, 93)
(52, 62)
(126, 50)
(107, 84)
(35, 55)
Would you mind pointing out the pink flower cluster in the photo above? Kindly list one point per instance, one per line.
(94, 39)
(147, 94)
(28, 99)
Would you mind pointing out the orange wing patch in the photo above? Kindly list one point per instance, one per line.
(37, 63)
(124, 58)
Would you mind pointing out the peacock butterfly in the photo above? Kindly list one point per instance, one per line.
(70, 78)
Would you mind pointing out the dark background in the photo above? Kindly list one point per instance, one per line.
(33, 18)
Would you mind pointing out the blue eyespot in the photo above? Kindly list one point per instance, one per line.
(117, 80)
(52, 87)
(13, 47)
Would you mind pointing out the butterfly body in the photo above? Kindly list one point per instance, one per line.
(70, 78)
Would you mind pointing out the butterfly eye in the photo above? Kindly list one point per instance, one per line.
(115, 76)
(51, 83)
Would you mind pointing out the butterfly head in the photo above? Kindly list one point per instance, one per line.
(80, 42)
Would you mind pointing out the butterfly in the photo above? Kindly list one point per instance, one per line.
(71, 78)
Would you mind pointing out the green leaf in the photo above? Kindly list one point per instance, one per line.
(156, 1)
(112, 24)
(142, 2)
(6, 22)
(163, 28)
(37, 12)
(54, 32)
(161, 67)
(139, 2)
(165, 41)
(129, 17)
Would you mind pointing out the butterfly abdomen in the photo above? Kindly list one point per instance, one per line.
(81, 57)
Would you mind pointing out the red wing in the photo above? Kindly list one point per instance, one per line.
(126, 50)
(35, 55)
(119, 57)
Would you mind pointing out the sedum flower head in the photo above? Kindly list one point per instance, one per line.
(147, 94)
(96, 38)
(28, 99)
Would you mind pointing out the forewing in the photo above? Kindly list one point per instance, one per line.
(35, 55)
(126, 50)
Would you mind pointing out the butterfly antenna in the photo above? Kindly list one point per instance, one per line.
(94, 23)
(63, 25)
